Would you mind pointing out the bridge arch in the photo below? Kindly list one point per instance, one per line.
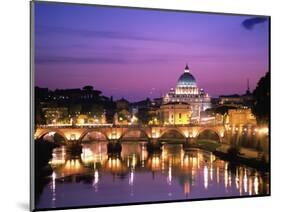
(42, 133)
(171, 130)
(92, 130)
(134, 130)
(211, 130)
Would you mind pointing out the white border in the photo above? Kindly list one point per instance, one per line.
(14, 122)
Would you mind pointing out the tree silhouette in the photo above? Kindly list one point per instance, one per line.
(261, 107)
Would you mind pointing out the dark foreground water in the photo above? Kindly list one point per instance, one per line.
(96, 178)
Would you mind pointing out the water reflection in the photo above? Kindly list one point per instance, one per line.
(136, 175)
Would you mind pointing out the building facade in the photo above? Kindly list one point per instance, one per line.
(54, 115)
(241, 117)
(175, 113)
(186, 91)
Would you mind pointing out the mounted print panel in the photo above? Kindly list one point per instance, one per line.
(136, 106)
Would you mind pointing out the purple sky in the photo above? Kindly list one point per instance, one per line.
(136, 53)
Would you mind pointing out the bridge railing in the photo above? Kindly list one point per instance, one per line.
(123, 125)
(74, 126)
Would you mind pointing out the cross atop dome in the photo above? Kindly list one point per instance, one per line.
(186, 69)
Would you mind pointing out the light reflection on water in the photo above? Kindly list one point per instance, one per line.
(96, 178)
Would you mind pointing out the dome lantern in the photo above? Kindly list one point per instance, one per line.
(186, 70)
(186, 79)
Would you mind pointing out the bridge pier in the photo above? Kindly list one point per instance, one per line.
(154, 146)
(153, 140)
(114, 147)
(189, 142)
(74, 147)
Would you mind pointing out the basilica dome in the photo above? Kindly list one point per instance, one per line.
(187, 91)
(186, 79)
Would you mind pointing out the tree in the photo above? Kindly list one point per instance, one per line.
(144, 115)
(88, 88)
(261, 107)
(74, 109)
(97, 110)
(221, 109)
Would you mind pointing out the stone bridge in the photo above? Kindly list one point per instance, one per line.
(117, 132)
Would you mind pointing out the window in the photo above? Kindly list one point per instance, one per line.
(179, 115)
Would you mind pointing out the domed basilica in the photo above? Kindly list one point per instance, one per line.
(186, 91)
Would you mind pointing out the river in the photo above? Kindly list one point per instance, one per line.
(95, 178)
